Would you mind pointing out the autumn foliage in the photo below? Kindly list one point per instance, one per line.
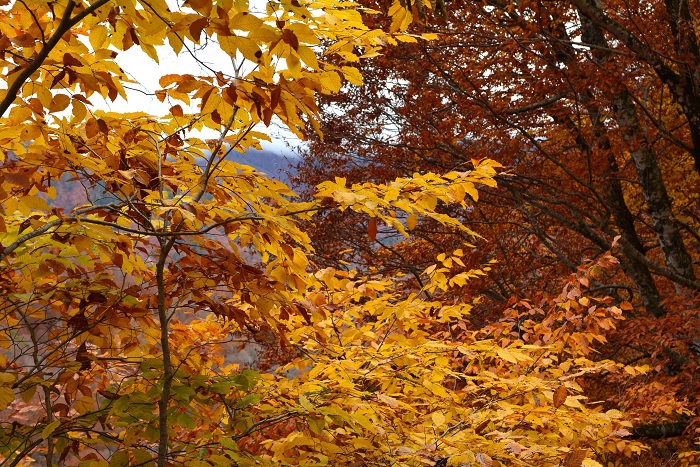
(121, 316)
(587, 106)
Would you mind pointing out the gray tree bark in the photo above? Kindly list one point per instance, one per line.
(656, 197)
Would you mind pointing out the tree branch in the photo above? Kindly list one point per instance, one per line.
(44, 228)
(64, 26)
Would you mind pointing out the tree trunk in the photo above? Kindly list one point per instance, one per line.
(684, 80)
(636, 270)
(653, 188)
(614, 197)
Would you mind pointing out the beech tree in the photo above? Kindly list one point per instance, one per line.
(582, 103)
(116, 312)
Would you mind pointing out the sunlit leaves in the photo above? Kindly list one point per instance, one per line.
(121, 306)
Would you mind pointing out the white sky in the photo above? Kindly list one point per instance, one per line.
(146, 73)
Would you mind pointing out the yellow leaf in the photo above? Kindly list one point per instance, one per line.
(98, 36)
(406, 38)
(390, 401)
(150, 51)
(28, 393)
(412, 221)
(50, 428)
(436, 389)
(347, 198)
(506, 355)
(308, 56)
(316, 424)
(472, 191)
(400, 19)
(79, 112)
(84, 404)
(244, 21)
(572, 401)
(464, 459)
(365, 423)
(7, 395)
(330, 81)
(212, 103)
(353, 75)
(7, 378)
(35, 202)
(102, 231)
(438, 419)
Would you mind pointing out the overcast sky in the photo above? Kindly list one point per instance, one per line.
(147, 73)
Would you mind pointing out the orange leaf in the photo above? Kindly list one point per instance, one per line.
(196, 28)
(176, 110)
(559, 396)
(372, 229)
(575, 458)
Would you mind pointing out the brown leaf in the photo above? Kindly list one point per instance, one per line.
(482, 426)
(18, 178)
(59, 102)
(559, 396)
(82, 99)
(96, 297)
(56, 79)
(275, 97)
(35, 105)
(102, 125)
(127, 41)
(23, 40)
(372, 229)
(267, 116)
(196, 28)
(290, 38)
(176, 110)
(575, 458)
(304, 313)
(205, 97)
(231, 93)
(134, 36)
(484, 460)
(108, 395)
(91, 128)
(68, 59)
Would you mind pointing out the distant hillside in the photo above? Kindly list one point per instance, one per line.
(273, 165)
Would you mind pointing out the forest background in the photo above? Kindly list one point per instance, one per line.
(489, 261)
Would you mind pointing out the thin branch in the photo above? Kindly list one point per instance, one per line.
(36, 21)
(660, 270)
(64, 26)
(44, 228)
(534, 105)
